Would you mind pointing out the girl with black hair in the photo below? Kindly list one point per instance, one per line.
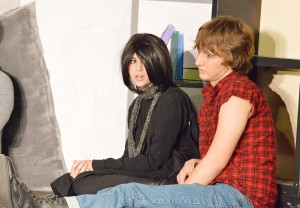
(160, 137)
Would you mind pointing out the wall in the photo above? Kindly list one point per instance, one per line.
(82, 42)
(279, 37)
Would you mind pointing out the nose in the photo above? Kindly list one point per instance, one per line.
(139, 67)
(199, 60)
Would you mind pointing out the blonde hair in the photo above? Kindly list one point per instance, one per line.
(230, 39)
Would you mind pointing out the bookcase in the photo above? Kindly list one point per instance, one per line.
(154, 15)
(289, 190)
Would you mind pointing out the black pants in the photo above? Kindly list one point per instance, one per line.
(90, 183)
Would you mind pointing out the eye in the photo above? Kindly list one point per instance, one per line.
(209, 53)
(132, 61)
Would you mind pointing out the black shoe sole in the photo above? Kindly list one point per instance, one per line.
(5, 192)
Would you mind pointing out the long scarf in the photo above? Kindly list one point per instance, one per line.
(149, 92)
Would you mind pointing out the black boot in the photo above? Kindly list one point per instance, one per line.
(14, 194)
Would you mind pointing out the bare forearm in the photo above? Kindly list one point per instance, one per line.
(204, 173)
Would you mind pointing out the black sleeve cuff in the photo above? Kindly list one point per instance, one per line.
(98, 164)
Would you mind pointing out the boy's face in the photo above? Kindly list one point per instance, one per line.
(211, 67)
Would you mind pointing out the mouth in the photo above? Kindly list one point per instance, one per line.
(139, 77)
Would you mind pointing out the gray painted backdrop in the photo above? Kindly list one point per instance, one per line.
(31, 137)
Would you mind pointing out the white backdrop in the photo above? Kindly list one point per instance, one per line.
(82, 42)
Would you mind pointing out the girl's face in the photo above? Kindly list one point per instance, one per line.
(137, 72)
(210, 67)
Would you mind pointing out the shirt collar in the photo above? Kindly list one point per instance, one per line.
(210, 90)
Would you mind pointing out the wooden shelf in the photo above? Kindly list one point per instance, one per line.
(269, 62)
(258, 61)
(190, 83)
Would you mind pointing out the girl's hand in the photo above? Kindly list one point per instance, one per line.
(187, 170)
(80, 166)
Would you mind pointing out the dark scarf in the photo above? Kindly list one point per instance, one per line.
(149, 92)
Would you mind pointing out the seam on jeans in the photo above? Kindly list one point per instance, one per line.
(243, 197)
(242, 200)
(193, 203)
(131, 199)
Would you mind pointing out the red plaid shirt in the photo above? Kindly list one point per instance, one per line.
(252, 167)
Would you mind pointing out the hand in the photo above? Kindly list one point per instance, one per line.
(80, 166)
(187, 170)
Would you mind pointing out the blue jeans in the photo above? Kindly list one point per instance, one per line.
(167, 196)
